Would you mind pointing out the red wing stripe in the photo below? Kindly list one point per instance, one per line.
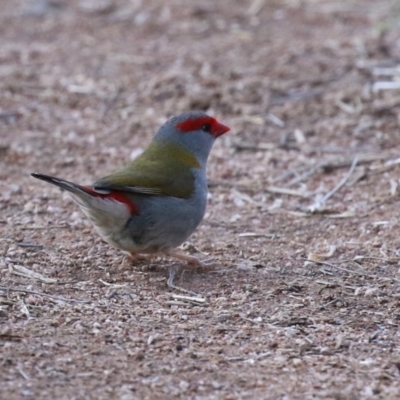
(117, 196)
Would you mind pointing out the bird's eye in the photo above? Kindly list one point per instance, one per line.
(206, 128)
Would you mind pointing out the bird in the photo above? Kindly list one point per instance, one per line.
(152, 205)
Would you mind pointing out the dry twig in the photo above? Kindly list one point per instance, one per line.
(360, 273)
(195, 300)
(319, 203)
(27, 273)
(50, 296)
(304, 173)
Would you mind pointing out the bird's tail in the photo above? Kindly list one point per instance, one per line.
(108, 210)
(90, 199)
(63, 184)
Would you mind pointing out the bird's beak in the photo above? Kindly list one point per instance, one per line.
(220, 129)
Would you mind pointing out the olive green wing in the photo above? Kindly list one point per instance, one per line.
(162, 170)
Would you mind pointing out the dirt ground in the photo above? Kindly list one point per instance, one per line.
(302, 221)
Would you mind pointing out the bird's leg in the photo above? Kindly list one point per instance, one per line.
(131, 256)
(147, 257)
(191, 260)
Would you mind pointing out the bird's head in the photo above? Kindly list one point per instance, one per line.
(195, 131)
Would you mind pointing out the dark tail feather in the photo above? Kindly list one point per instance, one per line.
(63, 184)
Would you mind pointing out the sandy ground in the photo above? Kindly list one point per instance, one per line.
(302, 221)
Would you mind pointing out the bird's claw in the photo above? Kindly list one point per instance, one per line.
(173, 272)
(208, 262)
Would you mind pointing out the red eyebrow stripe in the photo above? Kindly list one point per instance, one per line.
(191, 125)
(117, 196)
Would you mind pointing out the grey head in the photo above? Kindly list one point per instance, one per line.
(195, 131)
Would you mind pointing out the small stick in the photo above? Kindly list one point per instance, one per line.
(389, 260)
(27, 273)
(111, 103)
(255, 7)
(342, 182)
(23, 374)
(50, 296)
(29, 245)
(360, 273)
(289, 192)
(38, 228)
(319, 203)
(328, 304)
(254, 147)
(306, 174)
(257, 235)
(114, 286)
(190, 299)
